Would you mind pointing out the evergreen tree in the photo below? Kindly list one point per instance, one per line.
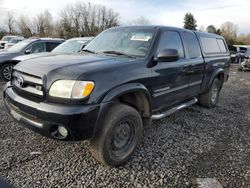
(211, 29)
(190, 22)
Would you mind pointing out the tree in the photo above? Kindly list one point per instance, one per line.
(86, 19)
(243, 39)
(10, 22)
(229, 32)
(211, 29)
(25, 26)
(218, 32)
(190, 22)
(140, 21)
(2, 33)
(43, 24)
(202, 28)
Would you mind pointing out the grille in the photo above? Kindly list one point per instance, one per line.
(28, 86)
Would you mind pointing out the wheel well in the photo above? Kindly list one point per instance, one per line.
(220, 76)
(6, 62)
(137, 100)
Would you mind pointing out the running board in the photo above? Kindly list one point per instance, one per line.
(174, 109)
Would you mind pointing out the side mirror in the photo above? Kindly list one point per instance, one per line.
(167, 55)
(28, 51)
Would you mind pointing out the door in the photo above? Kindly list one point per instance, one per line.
(169, 80)
(195, 70)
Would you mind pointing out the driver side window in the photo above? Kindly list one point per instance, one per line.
(171, 40)
(38, 47)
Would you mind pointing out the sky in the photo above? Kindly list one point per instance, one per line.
(158, 12)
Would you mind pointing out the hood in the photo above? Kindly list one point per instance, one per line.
(5, 55)
(5, 52)
(67, 66)
(31, 56)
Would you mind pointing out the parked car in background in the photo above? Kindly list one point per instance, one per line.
(247, 53)
(13, 41)
(70, 46)
(24, 47)
(5, 40)
(245, 65)
(233, 56)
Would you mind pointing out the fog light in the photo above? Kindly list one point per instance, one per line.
(63, 131)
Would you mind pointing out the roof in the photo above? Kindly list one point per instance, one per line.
(45, 39)
(206, 34)
(168, 27)
(81, 38)
(146, 27)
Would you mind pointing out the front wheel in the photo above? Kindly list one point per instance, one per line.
(211, 97)
(119, 137)
(5, 71)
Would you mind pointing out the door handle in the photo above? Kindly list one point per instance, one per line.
(188, 69)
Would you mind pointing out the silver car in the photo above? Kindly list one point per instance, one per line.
(13, 41)
(5, 40)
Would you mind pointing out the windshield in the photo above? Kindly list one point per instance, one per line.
(72, 46)
(14, 40)
(129, 41)
(19, 46)
(6, 38)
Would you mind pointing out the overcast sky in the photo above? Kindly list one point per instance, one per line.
(159, 12)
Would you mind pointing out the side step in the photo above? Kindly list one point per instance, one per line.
(174, 109)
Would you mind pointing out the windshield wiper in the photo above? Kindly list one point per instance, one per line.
(89, 51)
(118, 53)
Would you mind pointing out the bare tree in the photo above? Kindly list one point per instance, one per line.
(243, 39)
(86, 19)
(140, 21)
(25, 26)
(43, 24)
(10, 22)
(229, 32)
(201, 28)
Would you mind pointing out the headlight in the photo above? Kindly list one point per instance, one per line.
(71, 89)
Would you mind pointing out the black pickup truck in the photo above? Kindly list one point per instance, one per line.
(123, 79)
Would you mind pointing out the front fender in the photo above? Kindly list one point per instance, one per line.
(124, 89)
(109, 100)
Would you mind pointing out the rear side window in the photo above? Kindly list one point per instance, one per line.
(222, 45)
(171, 40)
(192, 44)
(51, 45)
(213, 45)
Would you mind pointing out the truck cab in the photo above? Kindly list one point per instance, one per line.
(123, 79)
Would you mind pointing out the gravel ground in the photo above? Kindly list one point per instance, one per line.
(193, 143)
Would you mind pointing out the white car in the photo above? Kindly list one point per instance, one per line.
(13, 41)
(6, 39)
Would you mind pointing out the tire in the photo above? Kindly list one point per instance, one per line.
(5, 71)
(211, 97)
(121, 133)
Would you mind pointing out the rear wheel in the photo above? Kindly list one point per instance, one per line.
(211, 97)
(119, 137)
(5, 71)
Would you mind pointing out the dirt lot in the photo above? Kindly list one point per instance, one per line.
(193, 143)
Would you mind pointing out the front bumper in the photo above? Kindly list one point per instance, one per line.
(79, 120)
